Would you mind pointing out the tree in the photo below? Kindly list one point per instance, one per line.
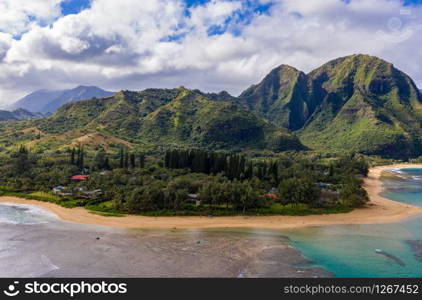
(273, 170)
(100, 160)
(142, 160)
(107, 164)
(126, 160)
(352, 194)
(80, 157)
(80, 154)
(121, 158)
(72, 156)
(132, 160)
(297, 190)
(21, 161)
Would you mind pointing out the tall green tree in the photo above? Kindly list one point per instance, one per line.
(100, 160)
(132, 160)
(21, 162)
(72, 156)
(142, 160)
(126, 161)
(121, 158)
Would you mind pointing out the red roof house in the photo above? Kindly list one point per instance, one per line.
(272, 196)
(79, 177)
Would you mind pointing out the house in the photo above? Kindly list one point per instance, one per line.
(273, 190)
(324, 185)
(61, 191)
(80, 189)
(58, 189)
(91, 194)
(79, 177)
(194, 198)
(272, 196)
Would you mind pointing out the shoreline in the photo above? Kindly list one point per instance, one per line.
(378, 210)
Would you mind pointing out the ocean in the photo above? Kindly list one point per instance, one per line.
(35, 243)
(373, 250)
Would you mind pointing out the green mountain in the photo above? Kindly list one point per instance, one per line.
(157, 117)
(355, 103)
(281, 97)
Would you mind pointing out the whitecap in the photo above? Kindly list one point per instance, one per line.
(13, 213)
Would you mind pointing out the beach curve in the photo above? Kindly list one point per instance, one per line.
(378, 210)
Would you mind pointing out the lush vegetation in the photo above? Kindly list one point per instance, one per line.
(187, 181)
(151, 119)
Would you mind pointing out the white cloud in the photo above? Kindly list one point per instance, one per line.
(17, 15)
(131, 44)
(5, 44)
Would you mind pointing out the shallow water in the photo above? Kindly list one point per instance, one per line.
(353, 250)
(34, 243)
(373, 250)
(408, 189)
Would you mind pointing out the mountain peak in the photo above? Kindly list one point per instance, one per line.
(48, 101)
(355, 61)
(87, 87)
(284, 67)
(280, 88)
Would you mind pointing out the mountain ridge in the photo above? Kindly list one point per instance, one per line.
(19, 114)
(355, 103)
(157, 118)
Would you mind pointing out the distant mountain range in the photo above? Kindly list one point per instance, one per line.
(19, 115)
(48, 101)
(357, 103)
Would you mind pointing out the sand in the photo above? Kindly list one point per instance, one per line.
(378, 210)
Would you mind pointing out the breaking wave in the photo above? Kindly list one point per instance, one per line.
(12, 213)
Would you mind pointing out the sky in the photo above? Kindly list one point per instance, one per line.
(212, 45)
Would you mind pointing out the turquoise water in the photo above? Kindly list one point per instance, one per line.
(349, 250)
(408, 189)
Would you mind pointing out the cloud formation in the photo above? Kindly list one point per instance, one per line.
(218, 45)
(16, 16)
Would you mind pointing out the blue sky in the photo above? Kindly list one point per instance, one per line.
(74, 6)
(250, 8)
(211, 45)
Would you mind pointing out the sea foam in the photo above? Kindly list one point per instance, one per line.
(13, 213)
